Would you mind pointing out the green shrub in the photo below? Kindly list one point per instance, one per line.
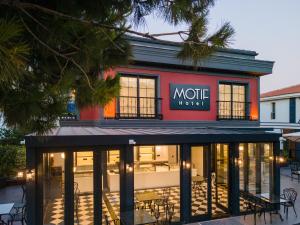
(12, 159)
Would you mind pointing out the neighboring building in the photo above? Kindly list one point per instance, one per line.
(179, 142)
(280, 109)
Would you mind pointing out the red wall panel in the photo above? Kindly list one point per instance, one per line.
(167, 77)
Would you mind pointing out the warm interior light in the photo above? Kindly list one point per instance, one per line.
(62, 155)
(241, 147)
(188, 165)
(74, 169)
(110, 109)
(240, 162)
(51, 155)
(129, 168)
(20, 174)
(271, 158)
(30, 175)
(281, 159)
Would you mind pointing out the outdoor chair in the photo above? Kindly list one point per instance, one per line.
(18, 215)
(254, 205)
(295, 171)
(291, 195)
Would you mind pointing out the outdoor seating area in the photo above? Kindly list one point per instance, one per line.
(13, 212)
(295, 170)
(266, 203)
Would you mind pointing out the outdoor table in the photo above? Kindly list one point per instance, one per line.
(273, 200)
(5, 209)
(141, 217)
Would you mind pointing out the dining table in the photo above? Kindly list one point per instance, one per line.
(147, 196)
(273, 200)
(140, 217)
(198, 179)
(5, 210)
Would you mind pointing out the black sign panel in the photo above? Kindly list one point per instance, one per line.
(189, 97)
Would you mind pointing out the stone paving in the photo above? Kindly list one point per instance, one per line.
(14, 194)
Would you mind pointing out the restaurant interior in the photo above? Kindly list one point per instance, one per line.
(156, 181)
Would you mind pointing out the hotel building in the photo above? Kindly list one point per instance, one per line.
(179, 135)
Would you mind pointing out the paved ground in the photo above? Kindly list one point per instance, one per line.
(13, 194)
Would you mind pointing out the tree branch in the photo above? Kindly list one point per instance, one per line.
(58, 53)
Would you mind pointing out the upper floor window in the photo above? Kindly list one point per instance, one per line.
(273, 112)
(138, 97)
(232, 102)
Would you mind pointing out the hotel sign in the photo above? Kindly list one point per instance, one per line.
(189, 97)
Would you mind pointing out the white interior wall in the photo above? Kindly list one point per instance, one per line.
(197, 159)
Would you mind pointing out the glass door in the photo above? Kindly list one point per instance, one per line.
(220, 178)
(199, 181)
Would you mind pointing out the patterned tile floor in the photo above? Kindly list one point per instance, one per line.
(85, 207)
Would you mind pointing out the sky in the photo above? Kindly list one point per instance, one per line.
(269, 27)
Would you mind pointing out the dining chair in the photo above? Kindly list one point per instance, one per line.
(18, 216)
(106, 220)
(289, 194)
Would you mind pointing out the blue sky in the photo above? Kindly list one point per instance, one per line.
(269, 27)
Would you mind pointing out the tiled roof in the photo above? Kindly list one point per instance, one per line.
(283, 91)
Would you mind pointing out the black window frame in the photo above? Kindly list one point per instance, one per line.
(157, 100)
(246, 102)
(273, 110)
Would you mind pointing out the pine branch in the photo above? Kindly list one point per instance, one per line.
(58, 53)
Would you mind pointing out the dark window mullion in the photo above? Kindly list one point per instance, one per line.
(231, 102)
(138, 97)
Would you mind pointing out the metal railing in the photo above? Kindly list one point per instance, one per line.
(233, 110)
(129, 107)
(68, 117)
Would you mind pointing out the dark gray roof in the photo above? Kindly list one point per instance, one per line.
(96, 136)
(161, 53)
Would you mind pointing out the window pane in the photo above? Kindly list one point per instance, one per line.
(128, 96)
(255, 170)
(224, 100)
(83, 188)
(199, 180)
(157, 181)
(111, 187)
(232, 105)
(54, 188)
(147, 97)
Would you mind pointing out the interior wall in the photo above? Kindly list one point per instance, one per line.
(197, 160)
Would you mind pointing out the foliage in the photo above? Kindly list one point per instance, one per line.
(12, 152)
(50, 48)
(286, 153)
(12, 159)
(10, 136)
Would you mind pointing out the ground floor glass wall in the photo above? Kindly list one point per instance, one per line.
(83, 187)
(111, 187)
(255, 169)
(53, 188)
(157, 181)
(220, 179)
(199, 180)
